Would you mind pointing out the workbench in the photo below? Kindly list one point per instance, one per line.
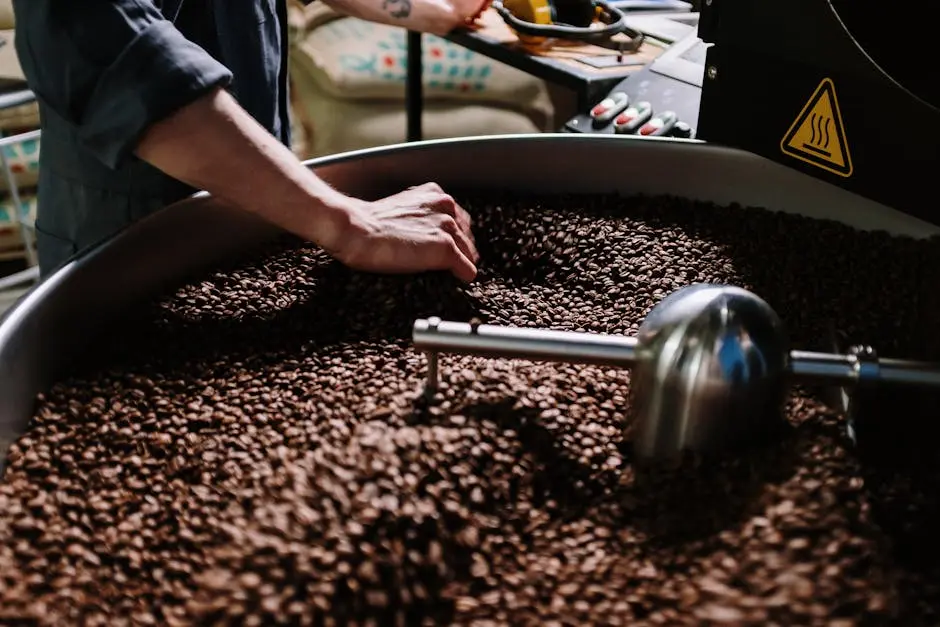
(589, 71)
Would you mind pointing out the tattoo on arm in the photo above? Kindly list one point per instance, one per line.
(398, 9)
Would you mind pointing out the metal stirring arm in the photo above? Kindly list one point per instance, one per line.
(435, 336)
(709, 367)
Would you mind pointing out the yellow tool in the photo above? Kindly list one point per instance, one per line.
(592, 21)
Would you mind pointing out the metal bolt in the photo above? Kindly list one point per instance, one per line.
(431, 387)
(712, 72)
(866, 363)
(433, 377)
(708, 3)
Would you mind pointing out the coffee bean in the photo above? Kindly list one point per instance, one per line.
(253, 448)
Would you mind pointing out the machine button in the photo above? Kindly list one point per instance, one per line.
(631, 119)
(682, 130)
(608, 108)
(660, 125)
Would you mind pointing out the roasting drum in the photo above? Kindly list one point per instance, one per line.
(59, 319)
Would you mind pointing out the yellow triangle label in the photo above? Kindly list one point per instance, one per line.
(817, 136)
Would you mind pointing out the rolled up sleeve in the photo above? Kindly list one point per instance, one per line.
(110, 68)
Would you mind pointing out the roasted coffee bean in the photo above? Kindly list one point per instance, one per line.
(255, 447)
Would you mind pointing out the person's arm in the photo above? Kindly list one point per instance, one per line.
(437, 17)
(132, 86)
(213, 144)
(110, 68)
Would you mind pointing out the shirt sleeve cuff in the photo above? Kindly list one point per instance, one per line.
(159, 73)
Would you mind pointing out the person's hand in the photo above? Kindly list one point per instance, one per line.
(416, 230)
(471, 11)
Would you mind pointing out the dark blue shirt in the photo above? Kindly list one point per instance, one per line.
(105, 70)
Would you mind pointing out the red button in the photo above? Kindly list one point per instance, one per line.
(623, 118)
(598, 110)
(651, 127)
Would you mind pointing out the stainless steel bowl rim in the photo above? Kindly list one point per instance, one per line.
(53, 323)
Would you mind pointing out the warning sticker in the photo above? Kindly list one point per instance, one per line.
(817, 136)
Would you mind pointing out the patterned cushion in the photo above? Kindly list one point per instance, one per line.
(348, 87)
(23, 158)
(352, 59)
(326, 125)
(11, 239)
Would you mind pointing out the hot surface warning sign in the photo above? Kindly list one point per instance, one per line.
(817, 136)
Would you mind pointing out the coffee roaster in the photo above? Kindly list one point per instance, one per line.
(46, 332)
(826, 84)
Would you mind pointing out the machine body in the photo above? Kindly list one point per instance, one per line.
(828, 88)
(669, 88)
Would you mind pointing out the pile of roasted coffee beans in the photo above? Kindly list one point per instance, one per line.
(255, 449)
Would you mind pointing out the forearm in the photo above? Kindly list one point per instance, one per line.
(214, 145)
(438, 17)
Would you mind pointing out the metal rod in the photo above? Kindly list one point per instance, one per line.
(535, 344)
(414, 86)
(815, 367)
(833, 368)
(434, 335)
(16, 99)
(910, 372)
(29, 275)
(434, 377)
(433, 374)
(19, 139)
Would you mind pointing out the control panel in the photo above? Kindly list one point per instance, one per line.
(660, 100)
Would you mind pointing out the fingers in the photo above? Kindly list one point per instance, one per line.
(464, 241)
(464, 269)
(447, 245)
(463, 220)
(446, 205)
(457, 262)
(443, 202)
(429, 187)
(463, 251)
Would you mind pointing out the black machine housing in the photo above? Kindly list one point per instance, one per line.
(767, 61)
(767, 68)
(759, 70)
(670, 83)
